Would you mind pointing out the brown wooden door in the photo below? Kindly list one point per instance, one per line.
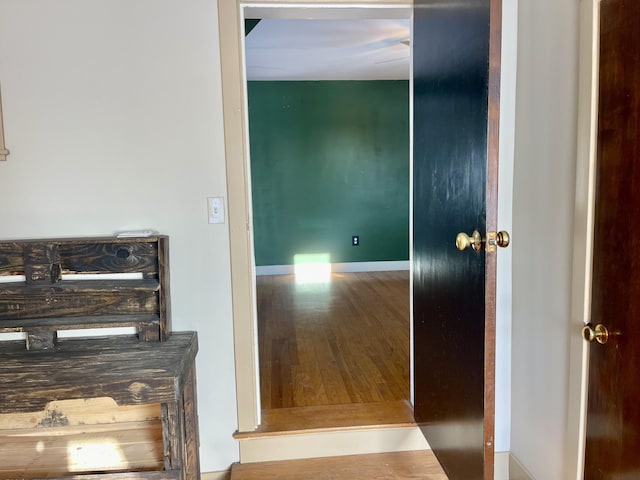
(613, 414)
(456, 51)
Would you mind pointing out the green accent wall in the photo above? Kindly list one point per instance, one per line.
(329, 160)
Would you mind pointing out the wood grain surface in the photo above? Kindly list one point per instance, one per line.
(50, 442)
(58, 451)
(85, 411)
(385, 466)
(613, 416)
(341, 342)
(279, 421)
(456, 115)
(123, 368)
(99, 254)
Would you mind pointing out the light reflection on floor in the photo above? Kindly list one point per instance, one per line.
(312, 268)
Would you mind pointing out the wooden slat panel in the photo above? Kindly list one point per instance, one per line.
(75, 302)
(174, 436)
(165, 298)
(41, 263)
(192, 438)
(77, 299)
(120, 257)
(90, 411)
(68, 323)
(80, 287)
(11, 259)
(58, 451)
(101, 254)
(129, 371)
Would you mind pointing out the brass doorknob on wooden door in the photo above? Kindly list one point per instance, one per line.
(599, 333)
(464, 241)
(475, 240)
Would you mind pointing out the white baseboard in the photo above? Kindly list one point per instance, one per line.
(216, 475)
(331, 444)
(516, 470)
(339, 267)
(507, 467)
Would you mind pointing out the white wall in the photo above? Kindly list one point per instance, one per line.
(543, 200)
(113, 118)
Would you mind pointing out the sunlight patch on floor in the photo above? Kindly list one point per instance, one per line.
(312, 268)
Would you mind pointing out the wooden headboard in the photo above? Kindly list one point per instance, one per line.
(48, 285)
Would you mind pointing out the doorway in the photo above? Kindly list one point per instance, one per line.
(329, 161)
(236, 146)
(243, 279)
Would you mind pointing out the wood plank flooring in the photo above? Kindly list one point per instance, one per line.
(341, 342)
(385, 466)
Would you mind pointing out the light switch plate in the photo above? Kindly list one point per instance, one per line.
(215, 209)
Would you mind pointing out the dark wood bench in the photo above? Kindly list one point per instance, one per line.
(48, 292)
(120, 367)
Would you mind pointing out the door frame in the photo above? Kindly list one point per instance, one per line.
(239, 216)
(583, 236)
(230, 18)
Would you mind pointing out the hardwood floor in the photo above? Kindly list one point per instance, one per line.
(280, 421)
(385, 466)
(341, 342)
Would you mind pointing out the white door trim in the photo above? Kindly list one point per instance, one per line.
(583, 236)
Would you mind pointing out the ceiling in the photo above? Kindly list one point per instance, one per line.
(293, 49)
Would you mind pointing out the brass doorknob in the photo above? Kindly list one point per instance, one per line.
(464, 241)
(600, 333)
(503, 239)
(475, 240)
